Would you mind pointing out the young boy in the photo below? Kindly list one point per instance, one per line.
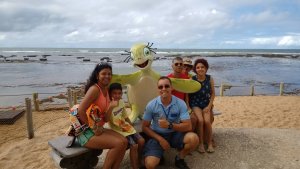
(120, 123)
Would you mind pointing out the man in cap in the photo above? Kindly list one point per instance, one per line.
(187, 66)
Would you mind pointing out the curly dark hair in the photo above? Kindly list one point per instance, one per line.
(201, 60)
(94, 75)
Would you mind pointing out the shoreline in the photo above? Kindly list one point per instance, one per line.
(28, 59)
(61, 97)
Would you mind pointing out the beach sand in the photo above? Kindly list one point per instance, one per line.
(251, 132)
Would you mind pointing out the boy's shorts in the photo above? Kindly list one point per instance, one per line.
(153, 148)
(85, 136)
(132, 139)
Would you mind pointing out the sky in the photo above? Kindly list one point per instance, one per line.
(195, 24)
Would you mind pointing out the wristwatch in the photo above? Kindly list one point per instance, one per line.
(170, 126)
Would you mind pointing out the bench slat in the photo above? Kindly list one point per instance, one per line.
(60, 143)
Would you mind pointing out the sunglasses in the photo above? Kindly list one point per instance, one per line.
(163, 86)
(189, 66)
(178, 64)
(104, 64)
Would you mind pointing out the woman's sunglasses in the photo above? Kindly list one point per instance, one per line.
(104, 64)
(163, 86)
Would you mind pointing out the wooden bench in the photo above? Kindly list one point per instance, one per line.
(10, 116)
(75, 157)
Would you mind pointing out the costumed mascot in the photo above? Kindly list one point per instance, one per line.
(142, 85)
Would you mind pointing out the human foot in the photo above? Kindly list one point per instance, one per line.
(201, 149)
(210, 149)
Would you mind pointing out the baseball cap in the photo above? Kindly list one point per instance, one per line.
(187, 61)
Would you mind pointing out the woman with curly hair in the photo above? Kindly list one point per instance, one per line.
(201, 103)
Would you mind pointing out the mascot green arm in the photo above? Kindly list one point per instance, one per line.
(126, 79)
(155, 75)
(185, 85)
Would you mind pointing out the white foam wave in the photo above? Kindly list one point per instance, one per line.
(111, 52)
(21, 51)
(83, 51)
(162, 52)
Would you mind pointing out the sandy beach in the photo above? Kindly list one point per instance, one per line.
(251, 132)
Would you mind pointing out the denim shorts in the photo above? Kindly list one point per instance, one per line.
(153, 148)
(132, 139)
(85, 136)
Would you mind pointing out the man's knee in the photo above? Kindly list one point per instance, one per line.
(191, 138)
(151, 162)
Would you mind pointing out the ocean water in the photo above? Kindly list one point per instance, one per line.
(65, 67)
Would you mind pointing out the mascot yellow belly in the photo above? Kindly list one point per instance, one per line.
(139, 95)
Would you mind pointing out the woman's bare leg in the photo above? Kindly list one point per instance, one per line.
(208, 131)
(113, 141)
(212, 119)
(194, 121)
(125, 143)
(198, 113)
(134, 159)
(141, 143)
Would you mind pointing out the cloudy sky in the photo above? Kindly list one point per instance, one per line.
(167, 23)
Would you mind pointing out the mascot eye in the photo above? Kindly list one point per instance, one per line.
(146, 51)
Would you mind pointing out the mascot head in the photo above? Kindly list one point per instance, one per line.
(141, 55)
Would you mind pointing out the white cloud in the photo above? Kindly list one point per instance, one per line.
(134, 31)
(214, 11)
(140, 19)
(280, 41)
(264, 41)
(289, 41)
(2, 37)
(231, 42)
(72, 34)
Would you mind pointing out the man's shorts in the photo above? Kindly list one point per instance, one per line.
(132, 139)
(85, 136)
(153, 148)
